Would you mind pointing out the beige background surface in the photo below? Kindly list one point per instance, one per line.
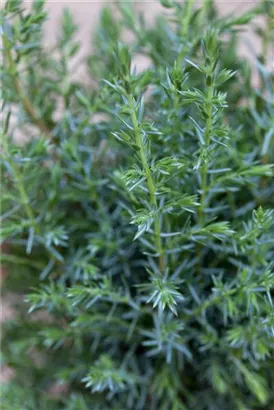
(87, 13)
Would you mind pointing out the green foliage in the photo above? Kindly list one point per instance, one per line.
(141, 242)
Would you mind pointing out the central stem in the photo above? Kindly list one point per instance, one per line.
(204, 172)
(150, 182)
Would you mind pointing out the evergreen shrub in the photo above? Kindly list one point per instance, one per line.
(137, 217)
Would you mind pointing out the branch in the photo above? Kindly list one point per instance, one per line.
(150, 183)
(26, 103)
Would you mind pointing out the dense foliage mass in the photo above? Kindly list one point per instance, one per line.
(136, 219)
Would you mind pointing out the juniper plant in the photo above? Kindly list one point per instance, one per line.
(139, 245)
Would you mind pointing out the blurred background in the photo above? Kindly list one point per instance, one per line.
(87, 14)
